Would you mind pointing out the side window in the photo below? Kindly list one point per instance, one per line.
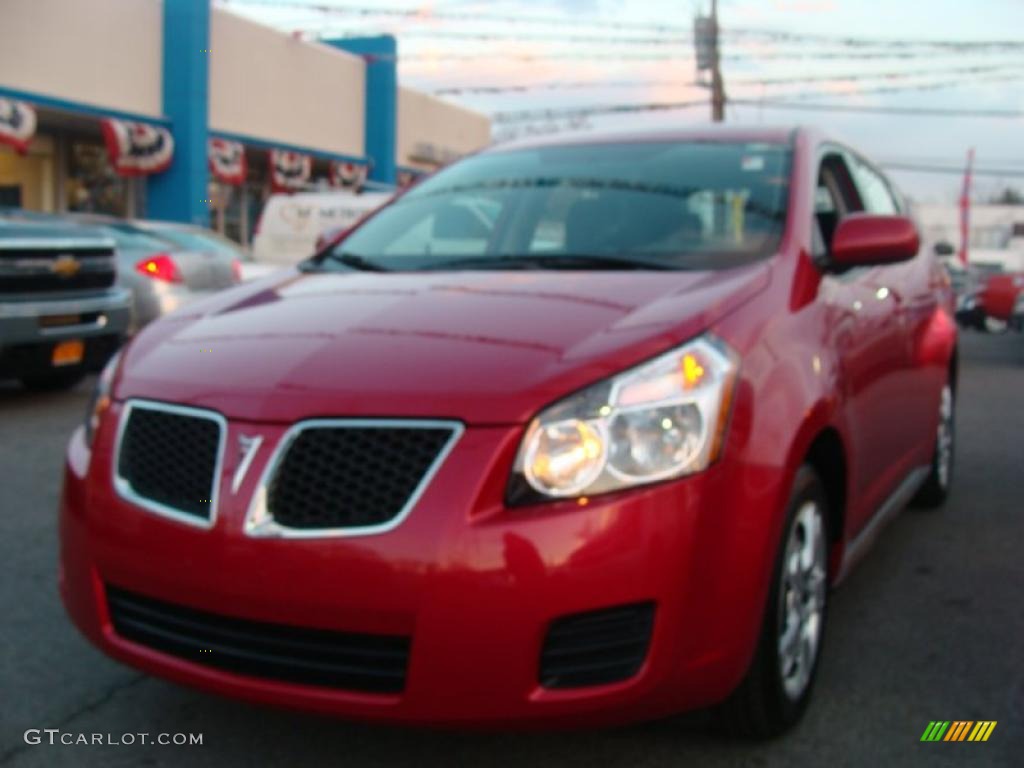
(874, 190)
(834, 197)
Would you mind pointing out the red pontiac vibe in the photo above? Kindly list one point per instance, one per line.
(572, 432)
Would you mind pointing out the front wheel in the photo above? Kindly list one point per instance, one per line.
(777, 687)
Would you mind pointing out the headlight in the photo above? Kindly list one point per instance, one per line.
(663, 419)
(100, 400)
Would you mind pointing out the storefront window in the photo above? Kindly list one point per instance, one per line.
(92, 186)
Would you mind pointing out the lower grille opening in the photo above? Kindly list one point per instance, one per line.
(596, 647)
(357, 662)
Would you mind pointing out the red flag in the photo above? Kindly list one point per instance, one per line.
(965, 209)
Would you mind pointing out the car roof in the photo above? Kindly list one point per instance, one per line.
(723, 133)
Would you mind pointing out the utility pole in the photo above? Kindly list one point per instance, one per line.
(705, 40)
(717, 86)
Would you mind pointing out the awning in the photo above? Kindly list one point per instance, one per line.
(289, 170)
(227, 161)
(137, 149)
(17, 124)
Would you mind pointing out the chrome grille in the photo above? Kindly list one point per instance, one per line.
(348, 477)
(168, 459)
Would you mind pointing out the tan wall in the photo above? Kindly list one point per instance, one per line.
(106, 53)
(265, 84)
(32, 172)
(433, 131)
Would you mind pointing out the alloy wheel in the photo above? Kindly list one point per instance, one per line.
(944, 445)
(802, 599)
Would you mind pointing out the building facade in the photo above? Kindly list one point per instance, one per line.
(244, 109)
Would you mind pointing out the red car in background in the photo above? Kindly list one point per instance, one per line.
(1003, 299)
(572, 432)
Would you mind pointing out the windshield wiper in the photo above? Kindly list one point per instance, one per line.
(352, 260)
(550, 261)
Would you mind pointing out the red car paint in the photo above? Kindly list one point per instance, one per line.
(861, 355)
(1000, 295)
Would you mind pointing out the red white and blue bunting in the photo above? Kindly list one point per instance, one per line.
(17, 124)
(227, 161)
(137, 149)
(408, 176)
(349, 174)
(289, 171)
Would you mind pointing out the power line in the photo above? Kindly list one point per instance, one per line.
(532, 37)
(881, 110)
(951, 170)
(640, 82)
(608, 109)
(680, 30)
(536, 115)
(602, 54)
(665, 56)
(890, 75)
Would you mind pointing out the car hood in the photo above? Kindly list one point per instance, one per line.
(482, 347)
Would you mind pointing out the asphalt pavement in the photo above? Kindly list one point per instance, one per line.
(930, 626)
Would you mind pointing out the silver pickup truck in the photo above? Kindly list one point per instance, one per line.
(61, 314)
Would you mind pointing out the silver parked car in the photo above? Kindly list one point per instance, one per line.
(166, 266)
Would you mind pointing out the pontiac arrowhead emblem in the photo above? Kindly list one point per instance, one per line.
(248, 445)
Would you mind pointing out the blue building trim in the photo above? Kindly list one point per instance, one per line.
(381, 107)
(78, 107)
(180, 192)
(252, 141)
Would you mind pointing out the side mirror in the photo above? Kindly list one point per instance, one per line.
(943, 248)
(864, 239)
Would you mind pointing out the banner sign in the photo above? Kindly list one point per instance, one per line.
(407, 177)
(137, 149)
(289, 170)
(17, 124)
(350, 174)
(227, 161)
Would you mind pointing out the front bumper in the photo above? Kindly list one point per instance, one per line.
(475, 585)
(30, 327)
(152, 299)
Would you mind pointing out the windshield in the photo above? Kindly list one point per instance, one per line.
(664, 205)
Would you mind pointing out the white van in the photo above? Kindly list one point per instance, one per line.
(290, 223)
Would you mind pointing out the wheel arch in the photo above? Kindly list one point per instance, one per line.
(826, 454)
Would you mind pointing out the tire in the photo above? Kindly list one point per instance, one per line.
(768, 702)
(993, 325)
(935, 490)
(54, 381)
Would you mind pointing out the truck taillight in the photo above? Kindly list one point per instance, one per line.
(236, 270)
(159, 267)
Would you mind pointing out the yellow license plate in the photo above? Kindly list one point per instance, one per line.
(68, 352)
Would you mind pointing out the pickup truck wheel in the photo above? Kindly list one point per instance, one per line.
(936, 488)
(52, 382)
(777, 687)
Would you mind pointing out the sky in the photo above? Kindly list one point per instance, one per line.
(560, 54)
